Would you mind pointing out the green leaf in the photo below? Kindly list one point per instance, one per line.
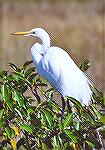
(29, 111)
(50, 90)
(35, 121)
(85, 65)
(98, 114)
(27, 63)
(86, 124)
(41, 104)
(75, 102)
(31, 77)
(104, 101)
(95, 142)
(36, 78)
(10, 77)
(77, 126)
(55, 105)
(60, 126)
(71, 136)
(22, 77)
(4, 148)
(90, 144)
(56, 142)
(13, 66)
(6, 92)
(41, 84)
(68, 120)
(1, 123)
(19, 113)
(7, 96)
(102, 119)
(48, 117)
(10, 104)
(10, 132)
(90, 114)
(19, 74)
(19, 98)
(102, 129)
(20, 142)
(29, 71)
(1, 113)
(10, 116)
(27, 128)
(3, 74)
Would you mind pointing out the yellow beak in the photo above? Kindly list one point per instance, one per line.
(21, 33)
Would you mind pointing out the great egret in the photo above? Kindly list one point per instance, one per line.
(55, 65)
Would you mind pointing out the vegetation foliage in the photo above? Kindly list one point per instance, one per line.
(30, 117)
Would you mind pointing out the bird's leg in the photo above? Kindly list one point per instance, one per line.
(69, 106)
(72, 109)
(63, 106)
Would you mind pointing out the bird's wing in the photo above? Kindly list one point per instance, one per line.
(57, 66)
(51, 67)
(62, 72)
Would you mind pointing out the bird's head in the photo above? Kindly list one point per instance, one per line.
(36, 32)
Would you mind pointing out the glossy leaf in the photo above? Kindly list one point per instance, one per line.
(41, 84)
(19, 98)
(49, 90)
(55, 105)
(27, 127)
(10, 78)
(90, 144)
(94, 141)
(13, 66)
(6, 92)
(71, 135)
(20, 142)
(19, 113)
(41, 123)
(102, 119)
(37, 78)
(7, 96)
(77, 126)
(85, 65)
(56, 142)
(10, 132)
(60, 126)
(104, 101)
(102, 128)
(31, 77)
(22, 77)
(35, 121)
(29, 71)
(10, 116)
(27, 63)
(89, 114)
(13, 143)
(1, 123)
(1, 113)
(98, 114)
(75, 102)
(3, 74)
(48, 117)
(16, 129)
(68, 120)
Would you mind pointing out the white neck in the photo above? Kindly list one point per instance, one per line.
(46, 41)
(37, 51)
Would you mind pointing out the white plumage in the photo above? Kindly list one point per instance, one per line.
(55, 65)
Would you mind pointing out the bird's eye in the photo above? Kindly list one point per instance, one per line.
(33, 32)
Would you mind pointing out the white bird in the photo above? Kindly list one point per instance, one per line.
(55, 65)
